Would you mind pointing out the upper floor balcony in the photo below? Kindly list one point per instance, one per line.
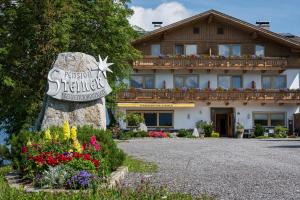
(208, 95)
(212, 63)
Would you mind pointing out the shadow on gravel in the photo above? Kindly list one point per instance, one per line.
(286, 146)
(275, 140)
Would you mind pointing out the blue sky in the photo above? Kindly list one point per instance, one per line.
(284, 15)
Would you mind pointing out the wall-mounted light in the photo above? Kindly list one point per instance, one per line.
(238, 113)
(248, 116)
(188, 116)
(200, 112)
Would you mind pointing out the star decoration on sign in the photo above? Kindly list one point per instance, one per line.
(103, 66)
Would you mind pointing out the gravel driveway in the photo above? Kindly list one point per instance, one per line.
(224, 168)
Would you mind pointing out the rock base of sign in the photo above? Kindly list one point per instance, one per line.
(15, 181)
(79, 113)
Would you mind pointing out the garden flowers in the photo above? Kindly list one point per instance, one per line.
(51, 152)
(66, 130)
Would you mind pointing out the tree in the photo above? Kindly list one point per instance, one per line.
(33, 33)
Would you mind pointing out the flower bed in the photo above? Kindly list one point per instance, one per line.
(157, 134)
(58, 159)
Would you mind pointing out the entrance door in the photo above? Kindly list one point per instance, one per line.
(223, 121)
(221, 124)
(297, 123)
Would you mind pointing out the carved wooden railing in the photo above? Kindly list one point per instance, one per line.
(267, 63)
(193, 95)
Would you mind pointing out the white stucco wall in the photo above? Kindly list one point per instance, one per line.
(186, 118)
(292, 78)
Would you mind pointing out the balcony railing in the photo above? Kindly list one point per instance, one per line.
(267, 63)
(194, 95)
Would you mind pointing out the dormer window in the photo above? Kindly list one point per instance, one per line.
(259, 50)
(196, 30)
(220, 31)
(155, 50)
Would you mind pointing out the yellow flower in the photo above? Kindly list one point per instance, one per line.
(48, 135)
(29, 143)
(70, 150)
(73, 133)
(77, 146)
(56, 136)
(66, 130)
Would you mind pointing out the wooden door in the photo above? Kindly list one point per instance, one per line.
(230, 124)
(297, 123)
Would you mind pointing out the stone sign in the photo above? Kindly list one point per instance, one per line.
(77, 85)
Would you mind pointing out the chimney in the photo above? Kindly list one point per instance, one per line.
(263, 24)
(157, 24)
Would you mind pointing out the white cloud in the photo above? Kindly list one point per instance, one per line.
(166, 12)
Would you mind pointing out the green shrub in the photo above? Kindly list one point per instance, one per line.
(4, 154)
(207, 128)
(280, 132)
(132, 134)
(215, 134)
(110, 151)
(184, 133)
(133, 119)
(259, 130)
(16, 142)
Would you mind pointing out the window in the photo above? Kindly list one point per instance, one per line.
(220, 30)
(227, 50)
(228, 82)
(150, 119)
(196, 30)
(259, 50)
(274, 82)
(269, 119)
(188, 81)
(165, 119)
(179, 50)
(277, 119)
(156, 118)
(155, 49)
(188, 49)
(142, 81)
(261, 119)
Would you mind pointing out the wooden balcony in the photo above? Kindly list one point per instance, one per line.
(197, 95)
(259, 64)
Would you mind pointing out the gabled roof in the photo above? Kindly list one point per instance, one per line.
(229, 19)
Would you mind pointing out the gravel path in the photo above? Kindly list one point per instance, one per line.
(223, 168)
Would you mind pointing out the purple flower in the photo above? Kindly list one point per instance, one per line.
(81, 180)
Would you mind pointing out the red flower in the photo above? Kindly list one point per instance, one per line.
(97, 147)
(23, 149)
(76, 155)
(52, 161)
(84, 146)
(96, 163)
(86, 157)
(93, 140)
(39, 159)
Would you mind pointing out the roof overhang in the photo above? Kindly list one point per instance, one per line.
(224, 18)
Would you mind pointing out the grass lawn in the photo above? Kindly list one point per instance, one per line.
(143, 192)
(139, 166)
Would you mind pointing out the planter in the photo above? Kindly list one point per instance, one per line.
(240, 133)
(201, 135)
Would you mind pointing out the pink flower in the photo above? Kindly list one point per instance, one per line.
(93, 140)
(97, 147)
(23, 149)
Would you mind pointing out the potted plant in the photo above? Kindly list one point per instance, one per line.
(200, 129)
(239, 130)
